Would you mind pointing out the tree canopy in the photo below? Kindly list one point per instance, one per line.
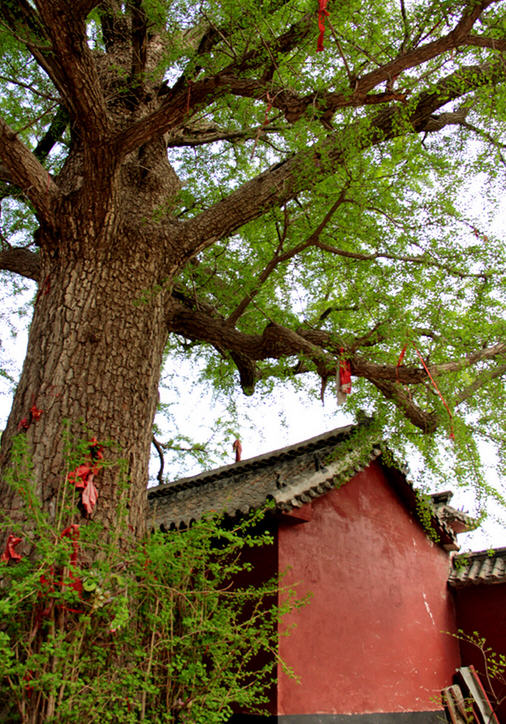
(284, 189)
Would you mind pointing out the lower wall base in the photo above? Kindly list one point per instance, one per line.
(410, 717)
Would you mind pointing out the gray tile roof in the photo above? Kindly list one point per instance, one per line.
(477, 568)
(291, 477)
(281, 475)
(459, 521)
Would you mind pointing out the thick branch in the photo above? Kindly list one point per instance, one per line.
(201, 323)
(53, 134)
(426, 421)
(27, 172)
(71, 66)
(139, 47)
(481, 41)
(21, 261)
(113, 24)
(41, 151)
(406, 374)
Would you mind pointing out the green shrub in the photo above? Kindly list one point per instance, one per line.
(95, 627)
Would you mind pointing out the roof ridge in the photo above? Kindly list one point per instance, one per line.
(257, 460)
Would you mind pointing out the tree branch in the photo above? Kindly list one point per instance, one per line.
(198, 136)
(481, 41)
(27, 172)
(482, 379)
(53, 134)
(426, 421)
(139, 47)
(55, 34)
(21, 261)
(407, 258)
(280, 258)
(320, 351)
(41, 151)
(113, 24)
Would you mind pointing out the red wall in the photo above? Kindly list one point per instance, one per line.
(371, 638)
(483, 609)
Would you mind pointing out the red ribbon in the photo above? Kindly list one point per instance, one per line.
(322, 14)
(450, 414)
(82, 477)
(344, 374)
(431, 378)
(10, 554)
(238, 449)
(32, 416)
(399, 361)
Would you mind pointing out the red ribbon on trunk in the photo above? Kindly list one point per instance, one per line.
(82, 477)
(10, 554)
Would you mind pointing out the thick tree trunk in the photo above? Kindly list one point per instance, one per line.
(94, 357)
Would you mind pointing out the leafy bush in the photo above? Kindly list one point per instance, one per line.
(98, 627)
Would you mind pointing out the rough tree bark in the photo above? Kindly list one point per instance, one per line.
(98, 326)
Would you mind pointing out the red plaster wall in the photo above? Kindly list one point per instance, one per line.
(483, 609)
(371, 639)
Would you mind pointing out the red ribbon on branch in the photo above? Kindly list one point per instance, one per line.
(344, 387)
(399, 361)
(322, 14)
(431, 378)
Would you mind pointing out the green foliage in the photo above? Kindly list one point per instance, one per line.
(175, 628)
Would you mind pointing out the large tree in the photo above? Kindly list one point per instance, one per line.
(281, 184)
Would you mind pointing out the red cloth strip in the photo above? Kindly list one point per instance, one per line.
(431, 378)
(322, 14)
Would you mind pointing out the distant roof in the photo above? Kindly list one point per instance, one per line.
(291, 477)
(459, 521)
(477, 568)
